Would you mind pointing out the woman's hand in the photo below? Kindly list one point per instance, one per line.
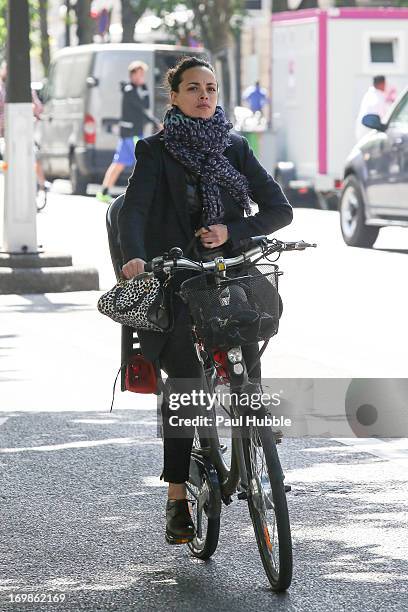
(133, 268)
(213, 237)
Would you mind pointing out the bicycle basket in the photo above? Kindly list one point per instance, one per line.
(239, 310)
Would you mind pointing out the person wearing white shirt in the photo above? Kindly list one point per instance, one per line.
(374, 102)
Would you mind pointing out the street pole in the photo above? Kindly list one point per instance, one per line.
(271, 92)
(68, 23)
(23, 267)
(20, 223)
(238, 51)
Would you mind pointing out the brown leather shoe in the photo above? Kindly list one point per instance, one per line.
(179, 525)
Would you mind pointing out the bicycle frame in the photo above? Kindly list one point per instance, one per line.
(229, 479)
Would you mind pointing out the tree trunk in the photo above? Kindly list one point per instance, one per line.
(85, 24)
(45, 40)
(131, 13)
(214, 21)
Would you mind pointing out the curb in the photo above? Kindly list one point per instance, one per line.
(48, 279)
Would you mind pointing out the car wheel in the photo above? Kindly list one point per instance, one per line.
(79, 182)
(352, 216)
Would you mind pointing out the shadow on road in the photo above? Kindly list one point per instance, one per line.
(401, 251)
(38, 303)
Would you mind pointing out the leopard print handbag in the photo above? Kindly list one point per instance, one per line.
(136, 303)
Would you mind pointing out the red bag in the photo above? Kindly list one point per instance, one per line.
(140, 375)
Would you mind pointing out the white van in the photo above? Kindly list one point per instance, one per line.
(82, 99)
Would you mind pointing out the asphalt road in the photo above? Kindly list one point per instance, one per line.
(82, 508)
(83, 514)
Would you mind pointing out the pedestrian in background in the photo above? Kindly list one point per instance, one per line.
(37, 110)
(256, 97)
(134, 117)
(374, 102)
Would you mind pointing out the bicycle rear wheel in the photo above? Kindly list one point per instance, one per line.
(268, 506)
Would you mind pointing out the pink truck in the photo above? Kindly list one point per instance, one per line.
(323, 61)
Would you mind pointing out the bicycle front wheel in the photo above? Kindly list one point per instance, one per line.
(206, 506)
(268, 506)
(41, 199)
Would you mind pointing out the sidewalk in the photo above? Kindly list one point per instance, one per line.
(57, 353)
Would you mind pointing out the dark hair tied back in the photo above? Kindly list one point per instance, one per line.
(174, 75)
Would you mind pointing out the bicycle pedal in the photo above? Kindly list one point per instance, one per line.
(203, 451)
(175, 541)
(287, 488)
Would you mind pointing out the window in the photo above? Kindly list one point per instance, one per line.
(69, 76)
(48, 91)
(253, 5)
(80, 72)
(62, 76)
(400, 116)
(382, 52)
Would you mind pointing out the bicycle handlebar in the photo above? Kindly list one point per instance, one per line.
(300, 245)
(175, 258)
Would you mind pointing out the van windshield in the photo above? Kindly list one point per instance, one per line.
(69, 76)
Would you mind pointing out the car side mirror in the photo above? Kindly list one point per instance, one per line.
(92, 82)
(373, 122)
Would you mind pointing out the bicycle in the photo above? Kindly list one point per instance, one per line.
(42, 195)
(41, 192)
(254, 471)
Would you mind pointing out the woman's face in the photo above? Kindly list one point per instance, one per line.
(197, 95)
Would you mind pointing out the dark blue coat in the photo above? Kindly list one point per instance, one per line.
(154, 216)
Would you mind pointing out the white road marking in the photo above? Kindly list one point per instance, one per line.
(393, 450)
(3, 420)
(68, 445)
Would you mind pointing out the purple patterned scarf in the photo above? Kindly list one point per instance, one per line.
(198, 144)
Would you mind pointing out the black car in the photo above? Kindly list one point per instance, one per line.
(375, 189)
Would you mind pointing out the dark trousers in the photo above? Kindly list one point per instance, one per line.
(180, 362)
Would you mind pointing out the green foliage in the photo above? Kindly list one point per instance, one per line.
(3, 27)
(209, 19)
(34, 25)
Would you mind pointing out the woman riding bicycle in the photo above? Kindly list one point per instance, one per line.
(193, 178)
